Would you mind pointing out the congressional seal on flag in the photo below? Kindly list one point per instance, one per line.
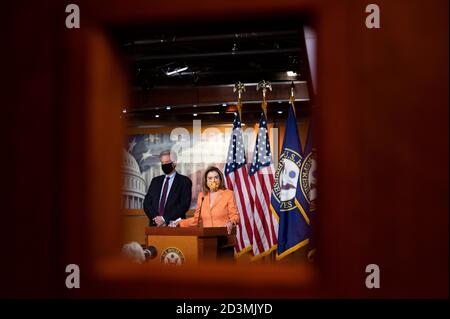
(286, 179)
(290, 191)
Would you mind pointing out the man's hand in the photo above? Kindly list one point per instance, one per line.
(159, 220)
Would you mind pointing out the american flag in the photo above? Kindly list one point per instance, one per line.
(236, 177)
(265, 224)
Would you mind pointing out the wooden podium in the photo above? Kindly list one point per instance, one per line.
(190, 245)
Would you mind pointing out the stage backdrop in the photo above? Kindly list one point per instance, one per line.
(196, 148)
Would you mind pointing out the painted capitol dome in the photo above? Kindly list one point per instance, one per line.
(133, 186)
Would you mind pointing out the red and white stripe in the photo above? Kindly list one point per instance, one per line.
(238, 181)
(265, 224)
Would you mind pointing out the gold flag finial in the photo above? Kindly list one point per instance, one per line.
(239, 87)
(264, 86)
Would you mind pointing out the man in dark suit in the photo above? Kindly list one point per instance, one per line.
(169, 196)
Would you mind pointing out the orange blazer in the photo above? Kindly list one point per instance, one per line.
(223, 210)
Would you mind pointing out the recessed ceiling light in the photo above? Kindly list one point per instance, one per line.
(178, 70)
(291, 73)
(195, 114)
(168, 107)
(156, 115)
(280, 112)
(124, 110)
(224, 104)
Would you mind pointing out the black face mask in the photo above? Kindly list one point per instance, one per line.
(167, 168)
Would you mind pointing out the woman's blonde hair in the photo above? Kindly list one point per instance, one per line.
(222, 180)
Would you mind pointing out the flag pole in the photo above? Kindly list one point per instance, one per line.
(292, 96)
(239, 87)
(264, 86)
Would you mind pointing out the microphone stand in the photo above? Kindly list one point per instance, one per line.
(200, 220)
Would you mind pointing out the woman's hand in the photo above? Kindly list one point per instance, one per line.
(174, 224)
(230, 225)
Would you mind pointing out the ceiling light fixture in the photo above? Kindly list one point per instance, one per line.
(291, 73)
(177, 70)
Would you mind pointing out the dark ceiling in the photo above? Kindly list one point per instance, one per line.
(214, 53)
(217, 53)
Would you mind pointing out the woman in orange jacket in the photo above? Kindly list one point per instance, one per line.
(216, 206)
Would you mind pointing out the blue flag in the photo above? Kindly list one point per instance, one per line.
(309, 184)
(289, 199)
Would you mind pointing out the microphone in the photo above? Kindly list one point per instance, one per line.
(138, 253)
(150, 252)
(200, 220)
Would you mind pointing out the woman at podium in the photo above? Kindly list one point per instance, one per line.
(216, 206)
